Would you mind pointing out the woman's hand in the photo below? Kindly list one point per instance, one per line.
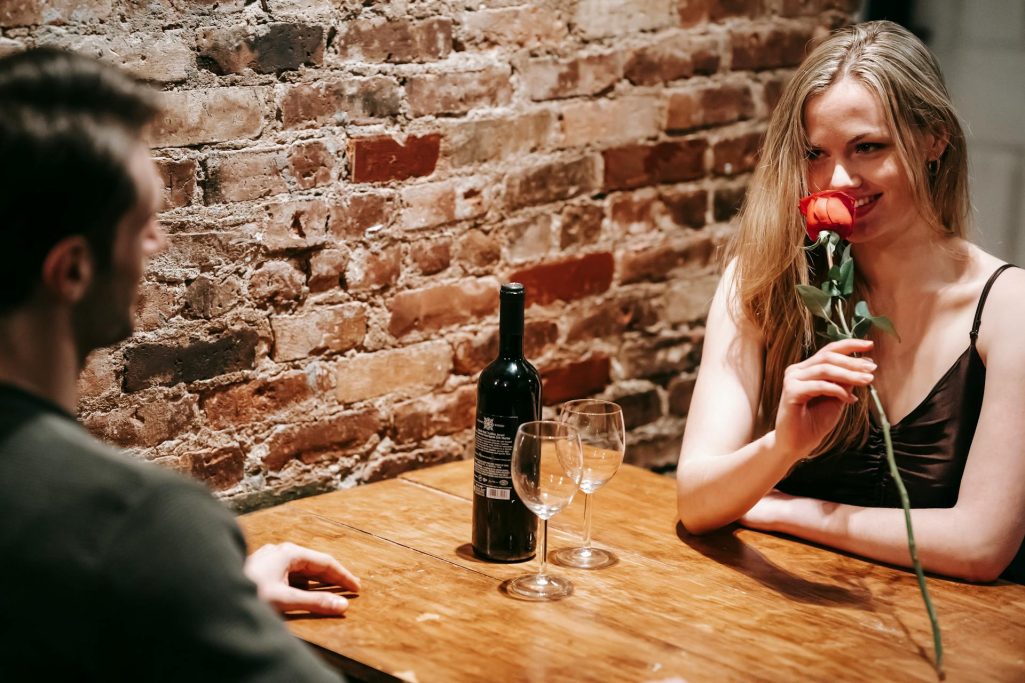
(276, 568)
(815, 392)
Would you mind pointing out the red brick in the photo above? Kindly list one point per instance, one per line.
(179, 181)
(395, 464)
(330, 329)
(736, 155)
(547, 78)
(634, 212)
(688, 297)
(35, 12)
(395, 40)
(680, 55)
(163, 58)
(640, 407)
(483, 140)
(772, 90)
(727, 203)
(523, 26)
(220, 468)
(444, 202)
(206, 297)
(479, 250)
(580, 224)
(668, 356)
(277, 283)
(575, 380)
(421, 418)
(817, 7)
(459, 92)
(322, 440)
(336, 102)
(439, 306)
(166, 364)
(194, 117)
(355, 213)
(552, 182)
(240, 176)
(666, 162)
(612, 318)
(687, 208)
(600, 18)
(150, 422)
(566, 280)
(656, 263)
(204, 251)
(726, 9)
(158, 302)
(99, 376)
(373, 270)
(381, 159)
(311, 164)
(256, 401)
(607, 122)
(681, 390)
(710, 106)
(295, 224)
(409, 371)
(693, 12)
(327, 268)
(767, 48)
(265, 48)
(432, 257)
(528, 238)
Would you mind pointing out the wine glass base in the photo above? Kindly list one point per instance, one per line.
(584, 558)
(538, 587)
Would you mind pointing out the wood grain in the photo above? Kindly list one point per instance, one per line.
(734, 605)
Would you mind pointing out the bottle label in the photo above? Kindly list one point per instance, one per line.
(492, 456)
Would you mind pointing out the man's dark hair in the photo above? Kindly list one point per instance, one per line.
(68, 124)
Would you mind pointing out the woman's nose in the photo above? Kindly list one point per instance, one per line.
(843, 177)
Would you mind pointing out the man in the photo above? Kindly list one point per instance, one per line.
(110, 568)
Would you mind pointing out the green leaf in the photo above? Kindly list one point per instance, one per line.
(817, 301)
(846, 279)
(830, 288)
(884, 324)
(861, 327)
(834, 273)
(861, 310)
(846, 255)
(834, 334)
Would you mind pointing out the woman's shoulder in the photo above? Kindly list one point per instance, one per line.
(1003, 310)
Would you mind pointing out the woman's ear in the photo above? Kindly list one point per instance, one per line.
(936, 145)
(68, 269)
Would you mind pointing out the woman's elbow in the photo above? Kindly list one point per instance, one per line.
(692, 519)
(984, 561)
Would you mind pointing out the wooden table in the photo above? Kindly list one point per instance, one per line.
(734, 605)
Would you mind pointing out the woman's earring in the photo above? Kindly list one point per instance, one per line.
(933, 167)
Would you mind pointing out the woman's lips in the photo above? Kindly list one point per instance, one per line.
(863, 205)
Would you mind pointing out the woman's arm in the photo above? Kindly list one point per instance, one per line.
(978, 537)
(722, 472)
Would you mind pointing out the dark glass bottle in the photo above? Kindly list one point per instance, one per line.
(508, 394)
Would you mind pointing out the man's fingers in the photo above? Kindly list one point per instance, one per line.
(287, 599)
(313, 564)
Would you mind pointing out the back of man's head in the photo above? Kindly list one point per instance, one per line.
(68, 125)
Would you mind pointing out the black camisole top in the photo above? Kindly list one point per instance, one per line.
(930, 446)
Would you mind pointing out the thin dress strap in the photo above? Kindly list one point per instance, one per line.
(982, 300)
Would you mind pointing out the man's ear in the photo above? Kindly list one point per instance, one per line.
(68, 269)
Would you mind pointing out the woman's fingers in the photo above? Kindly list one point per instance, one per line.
(844, 347)
(833, 373)
(804, 391)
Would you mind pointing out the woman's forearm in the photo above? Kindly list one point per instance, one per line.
(949, 541)
(715, 490)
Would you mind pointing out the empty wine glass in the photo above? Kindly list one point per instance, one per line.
(547, 464)
(603, 439)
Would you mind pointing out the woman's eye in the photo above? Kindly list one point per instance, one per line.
(866, 147)
(812, 154)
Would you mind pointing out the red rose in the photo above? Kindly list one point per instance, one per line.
(830, 210)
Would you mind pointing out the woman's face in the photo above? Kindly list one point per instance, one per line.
(851, 149)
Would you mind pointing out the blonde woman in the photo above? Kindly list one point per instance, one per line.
(780, 436)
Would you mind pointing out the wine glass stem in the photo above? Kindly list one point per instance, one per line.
(587, 521)
(543, 571)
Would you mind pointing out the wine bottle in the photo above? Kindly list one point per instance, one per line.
(508, 394)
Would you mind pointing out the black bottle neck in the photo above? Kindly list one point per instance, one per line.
(510, 325)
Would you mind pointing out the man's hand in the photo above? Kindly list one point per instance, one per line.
(274, 568)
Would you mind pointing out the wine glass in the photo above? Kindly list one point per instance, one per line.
(546, 467)
(603, 439)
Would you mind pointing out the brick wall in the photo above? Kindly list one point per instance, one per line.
(349, 182)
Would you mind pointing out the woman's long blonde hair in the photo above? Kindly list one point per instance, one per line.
(768, 248)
